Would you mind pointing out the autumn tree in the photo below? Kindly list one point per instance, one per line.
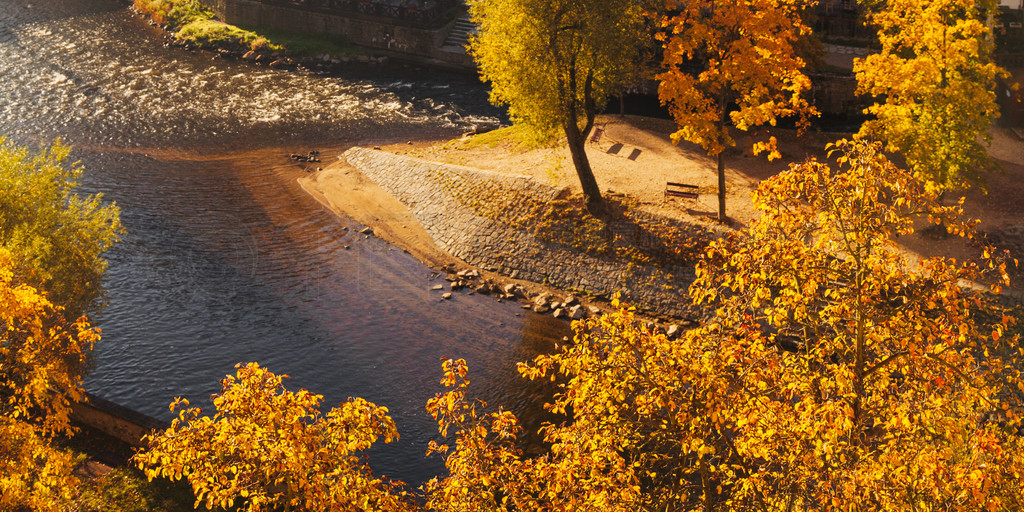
(51, 245)
(41, 357)
(485, 458)
(267, 447)
(732, 63)
(55, 236)
(555, 63)
(834, 374)
(934, 82)
(584, 471)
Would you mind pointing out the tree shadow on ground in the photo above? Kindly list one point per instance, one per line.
(623, 232)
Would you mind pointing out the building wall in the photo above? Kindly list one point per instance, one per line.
(361, 31)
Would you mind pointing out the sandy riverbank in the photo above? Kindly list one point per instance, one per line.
(346, 191)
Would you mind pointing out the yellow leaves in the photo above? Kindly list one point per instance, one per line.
(55, 237)
(935, 73)
(547, 60)
(265, 440)
(41, 359)
(769, 147)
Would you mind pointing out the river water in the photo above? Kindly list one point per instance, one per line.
(225, 259)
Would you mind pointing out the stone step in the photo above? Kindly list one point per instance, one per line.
(459, 35)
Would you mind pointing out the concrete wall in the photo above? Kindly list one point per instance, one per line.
(460, 207)
(362, 31)
(114, 420)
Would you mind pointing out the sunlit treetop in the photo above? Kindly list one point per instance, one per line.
(933, 81)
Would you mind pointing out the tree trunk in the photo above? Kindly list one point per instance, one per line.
(721, 187)
(723, 105)
(577, 147)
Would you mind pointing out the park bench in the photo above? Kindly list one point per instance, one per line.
(681, 190)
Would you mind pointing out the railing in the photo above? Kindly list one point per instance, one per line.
(413, 12)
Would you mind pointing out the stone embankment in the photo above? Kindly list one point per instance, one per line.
(460, 208)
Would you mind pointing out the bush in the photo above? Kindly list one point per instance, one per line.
(174, 13)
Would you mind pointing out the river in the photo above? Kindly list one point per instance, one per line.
(225, 259)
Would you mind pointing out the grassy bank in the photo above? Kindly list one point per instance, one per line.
(195, 24)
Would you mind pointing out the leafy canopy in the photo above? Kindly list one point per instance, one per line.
(56, 238)
(935, 80)
(41, 357)
(551, 61)
(554, 63)
(838, 374)
(735, 63)
(834, 375)
(740, 54)
(268, 447)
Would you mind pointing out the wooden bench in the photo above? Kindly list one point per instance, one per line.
(681, 190)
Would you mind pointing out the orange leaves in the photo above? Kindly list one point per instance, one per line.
(724, 54)
(269, 446)
(749, 58)
(484, 464)
(878, 373)
(40, 363)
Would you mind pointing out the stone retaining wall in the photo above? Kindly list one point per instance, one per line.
(370, 33)
(456, 206)
(115, 420)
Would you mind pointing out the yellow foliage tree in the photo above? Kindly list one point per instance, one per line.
(41, 358)
(935, 77)
(56, 237)
(267, 447)
(732, 62)
(585, 470)
(833, 376)
(485, 459)
(555, 63)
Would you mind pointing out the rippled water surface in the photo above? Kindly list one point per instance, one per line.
(226, 260)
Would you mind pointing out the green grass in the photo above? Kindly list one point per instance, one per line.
(125, 489)
(194, 23)
(308, 45)
(212, 34)
(519, 137)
